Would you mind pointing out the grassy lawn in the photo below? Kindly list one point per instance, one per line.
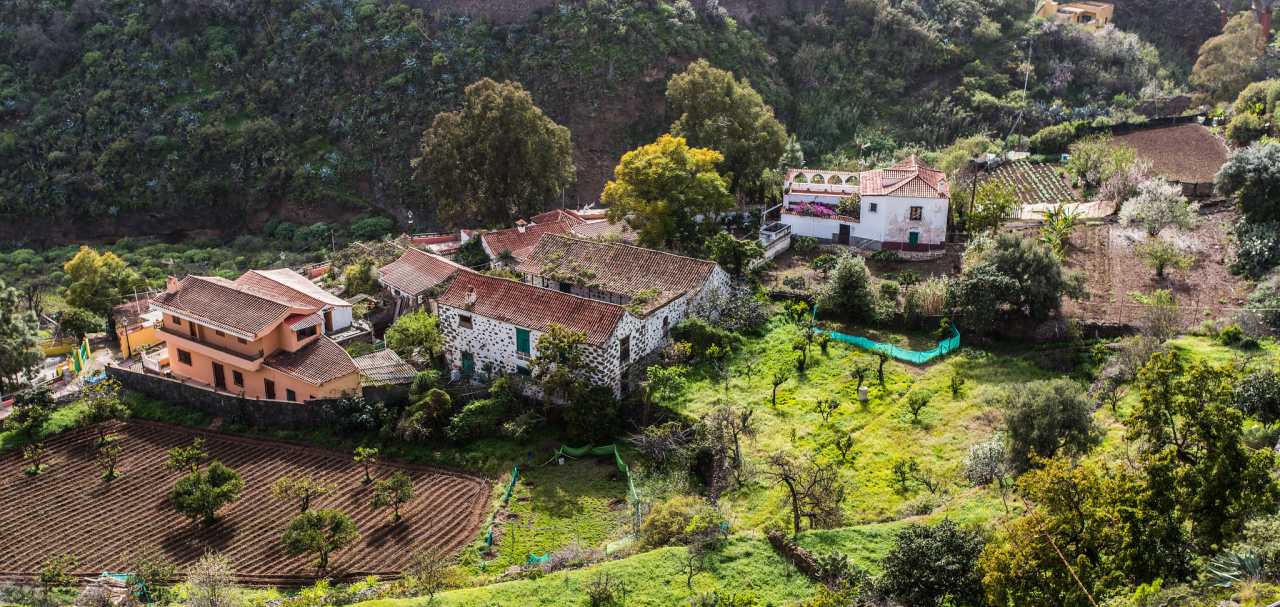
(552, 507)
(882, 428)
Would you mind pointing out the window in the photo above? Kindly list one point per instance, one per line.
(624, 349)
(875, 207)
(290, 395)
(184, 357)
(177, 322)
(666, 326)
(917, 213)
(270, 388)
(566, 287)
(237, 378)
(464, 321)
(241, 340)
(220, 333)
(305, 333)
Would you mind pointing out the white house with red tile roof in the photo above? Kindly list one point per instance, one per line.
(903, 207)
(492, 325)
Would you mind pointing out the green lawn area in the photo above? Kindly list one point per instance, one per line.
(582, 502)
(657, 578)
(883, 430)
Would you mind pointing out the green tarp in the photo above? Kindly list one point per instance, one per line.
(944, 347)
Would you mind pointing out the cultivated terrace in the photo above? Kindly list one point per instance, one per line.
(639, 303)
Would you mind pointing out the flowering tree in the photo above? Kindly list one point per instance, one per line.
(1158, 205)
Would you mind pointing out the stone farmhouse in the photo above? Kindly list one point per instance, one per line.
(492, 325)
(904, 207)
(265, 335)
(625, 299)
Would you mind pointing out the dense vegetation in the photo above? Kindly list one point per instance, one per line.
(206, 113)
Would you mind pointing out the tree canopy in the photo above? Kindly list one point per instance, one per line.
(97, 282)
(1252, 177)
(496, 159)
(19, 339)
(1226, 62)
(717, 111)
(660, 190)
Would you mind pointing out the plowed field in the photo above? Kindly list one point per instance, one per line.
(68, 508)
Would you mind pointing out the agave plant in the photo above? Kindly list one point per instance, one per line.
(1230, 568)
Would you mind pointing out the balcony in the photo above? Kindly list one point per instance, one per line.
(248, 361)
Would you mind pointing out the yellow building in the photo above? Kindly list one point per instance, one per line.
(136, 326)
(1092, 15)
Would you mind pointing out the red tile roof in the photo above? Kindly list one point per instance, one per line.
(556, 215)
(910, 178)
(414, 272)
(285, 285)
(518, 242)
(605, 230)
(222, 302)
(531, 307)
(617, 268)
(316, 363)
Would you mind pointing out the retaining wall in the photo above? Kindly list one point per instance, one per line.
(233, 409)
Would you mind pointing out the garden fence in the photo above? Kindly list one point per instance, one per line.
(506, 497)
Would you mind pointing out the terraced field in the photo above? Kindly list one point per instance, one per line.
(69, 508)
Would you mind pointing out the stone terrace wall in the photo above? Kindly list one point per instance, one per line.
(256, 413)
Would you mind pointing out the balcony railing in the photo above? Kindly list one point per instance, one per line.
(251, 358)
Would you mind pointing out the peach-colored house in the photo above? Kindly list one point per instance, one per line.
(262, 341)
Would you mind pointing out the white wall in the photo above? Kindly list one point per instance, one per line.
(889, 223)
(341, 318)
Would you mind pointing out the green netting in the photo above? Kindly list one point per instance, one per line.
(944, 347)
(506, 497)
(623, 468)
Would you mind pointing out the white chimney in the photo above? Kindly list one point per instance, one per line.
(471, 297)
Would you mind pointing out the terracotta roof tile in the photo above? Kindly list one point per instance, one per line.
(384, 367)
(285, 284)
(316, 363)
(605, 230)
(910, 178)
(415, 271)
(531, 307)
(222, 302)
(556, 215)
(518, 242)
(617, 268)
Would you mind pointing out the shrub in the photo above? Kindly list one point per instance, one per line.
(1257, 248)
(1261, 538)
(847, 293)
(1265, 301)
(479, 418)
(701, 335)
(1258, 395)
(934, 565)
(678, 521)
(1246, 128)
(1158, 205)
(1054, 139)
(804, 245)
(371, 228)
(1045, 417)
(593, 416)
(795, 283)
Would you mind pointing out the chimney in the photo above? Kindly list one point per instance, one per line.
(521, 225)
(171, 284)
(471, 297)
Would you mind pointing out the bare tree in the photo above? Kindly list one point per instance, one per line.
(826, 408)
(211, 583)
(429, 572)
(726, 426)
(779, 377)
(814, 491)
(907, 472)
(844, 446)
(664, 443)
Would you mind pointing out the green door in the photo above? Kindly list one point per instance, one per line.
(913, 238)
(522, 341)
(468, 364)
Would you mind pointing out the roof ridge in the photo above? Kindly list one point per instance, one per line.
(234, 286)
(556, 292)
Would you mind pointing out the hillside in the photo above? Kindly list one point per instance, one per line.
(129, 118)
